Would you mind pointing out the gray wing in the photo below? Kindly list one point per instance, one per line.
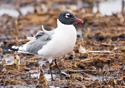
(41, 38)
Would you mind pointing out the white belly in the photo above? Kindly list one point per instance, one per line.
(62, 43)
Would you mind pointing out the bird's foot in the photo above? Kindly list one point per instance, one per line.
(52, 79)
(64, 74)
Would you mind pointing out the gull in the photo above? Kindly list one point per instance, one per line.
(56, 43)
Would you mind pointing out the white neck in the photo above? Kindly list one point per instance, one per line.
(59, 24)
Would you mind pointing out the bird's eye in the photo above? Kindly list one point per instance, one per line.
(67, 15)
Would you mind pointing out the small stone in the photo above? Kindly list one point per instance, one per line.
(100, 38)
(70, 57)
(122, 37)
(76, 51)
(81, 66)
(114, 38)
(120, 63)
(83, 56)
(109, 61)
(99, 65)
(105, 69)
(39, 86)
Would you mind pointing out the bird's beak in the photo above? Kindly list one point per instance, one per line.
(78, 20)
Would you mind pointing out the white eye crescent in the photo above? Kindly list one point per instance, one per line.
(67, 15)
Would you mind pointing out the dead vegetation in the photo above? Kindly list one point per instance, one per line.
(85, 66)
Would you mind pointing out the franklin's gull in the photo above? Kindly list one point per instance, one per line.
(56, 43)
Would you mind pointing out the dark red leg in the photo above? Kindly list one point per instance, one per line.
(50, 66)
(58, 66)
(60, 72)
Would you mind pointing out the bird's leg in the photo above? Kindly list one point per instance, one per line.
(50, 66)
(61, 72)
(58, 66)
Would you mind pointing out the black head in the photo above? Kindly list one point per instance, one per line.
(68, 18)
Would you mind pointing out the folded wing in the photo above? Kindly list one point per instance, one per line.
(34, 45)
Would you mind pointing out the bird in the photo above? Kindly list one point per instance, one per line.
(55, 43)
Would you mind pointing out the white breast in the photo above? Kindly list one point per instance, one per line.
(62, 42)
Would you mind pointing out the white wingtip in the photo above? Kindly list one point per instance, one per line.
(14, 47)
(48, 32)
(43, 28)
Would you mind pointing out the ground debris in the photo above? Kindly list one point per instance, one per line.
(97, 60)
